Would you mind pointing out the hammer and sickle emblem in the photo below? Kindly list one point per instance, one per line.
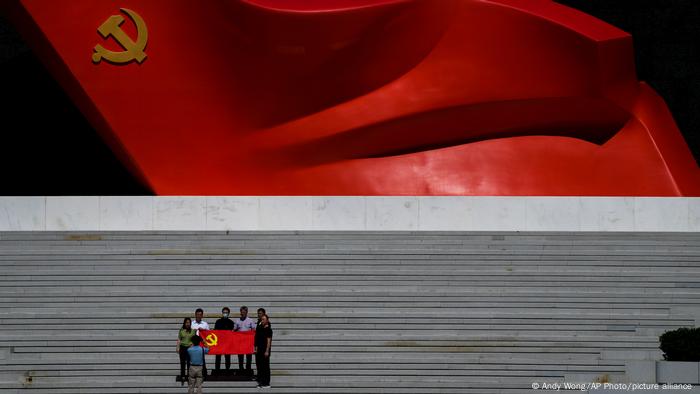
(133, 50)
(211, 339)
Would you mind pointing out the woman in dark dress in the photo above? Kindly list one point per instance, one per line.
(184, 341)
(263, 346)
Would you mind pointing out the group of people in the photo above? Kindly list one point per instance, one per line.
(192, 354)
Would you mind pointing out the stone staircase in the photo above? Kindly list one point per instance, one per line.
(353, 312)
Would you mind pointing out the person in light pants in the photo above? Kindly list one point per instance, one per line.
(244, 324)
(196, 376)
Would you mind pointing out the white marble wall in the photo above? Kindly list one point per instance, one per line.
(406, 213)
(22, 213)
(67, 213)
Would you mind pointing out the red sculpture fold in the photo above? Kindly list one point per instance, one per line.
(363, 97)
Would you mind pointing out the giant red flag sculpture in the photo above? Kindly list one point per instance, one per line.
(363, 97)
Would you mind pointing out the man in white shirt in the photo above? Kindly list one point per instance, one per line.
(243, 324)
(198, 323)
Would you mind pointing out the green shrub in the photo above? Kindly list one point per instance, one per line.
(682, 344)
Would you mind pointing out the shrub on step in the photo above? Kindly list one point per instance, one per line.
(682, 344)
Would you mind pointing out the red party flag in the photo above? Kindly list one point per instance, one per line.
(228, 342)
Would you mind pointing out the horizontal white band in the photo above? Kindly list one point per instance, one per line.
(209, 213)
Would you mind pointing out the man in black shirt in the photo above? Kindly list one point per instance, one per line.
(261, 312)
(263, 346)
(224, 324)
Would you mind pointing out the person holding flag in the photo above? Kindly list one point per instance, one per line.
(244, 324)
(199, 324)
(223, 324)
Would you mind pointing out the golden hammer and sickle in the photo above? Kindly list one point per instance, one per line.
(133, 50)
(211, 339)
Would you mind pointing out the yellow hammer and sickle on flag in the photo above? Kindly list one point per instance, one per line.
(211, 339)
(134, 50)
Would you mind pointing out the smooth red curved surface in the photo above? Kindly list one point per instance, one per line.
(368, 97)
